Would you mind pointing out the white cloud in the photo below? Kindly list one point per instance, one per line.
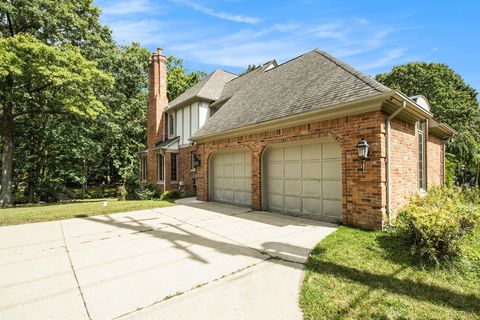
(386, 60)
(219, 14)
(128, 7)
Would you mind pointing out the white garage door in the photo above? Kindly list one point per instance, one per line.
(305, 179)
(232, 177)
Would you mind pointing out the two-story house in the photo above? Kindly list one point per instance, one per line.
(311, 137)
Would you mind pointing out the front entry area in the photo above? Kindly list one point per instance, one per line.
(304, 179)
(232, 177)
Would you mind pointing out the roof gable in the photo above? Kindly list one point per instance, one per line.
(209, 88)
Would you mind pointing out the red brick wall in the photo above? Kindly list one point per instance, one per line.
(185, 166)
(157, 102)
(403, 163)
(435, 161)
(363, 194)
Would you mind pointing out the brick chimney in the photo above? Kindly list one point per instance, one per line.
(157, 102)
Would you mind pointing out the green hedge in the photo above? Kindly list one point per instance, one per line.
(437, 224)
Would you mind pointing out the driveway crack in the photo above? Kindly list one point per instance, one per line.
(74, 272)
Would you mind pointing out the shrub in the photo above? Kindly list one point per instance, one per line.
(437, 224)
(148, 192)
(170, 195)
(122, 193)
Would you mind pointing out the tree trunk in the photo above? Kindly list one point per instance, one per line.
(7, 156)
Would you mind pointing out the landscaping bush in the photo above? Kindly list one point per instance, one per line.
(437, 224)
(122, 192)
(170, 195)
(148, 192)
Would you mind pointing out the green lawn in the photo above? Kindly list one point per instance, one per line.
(355, 274)
(48, 212)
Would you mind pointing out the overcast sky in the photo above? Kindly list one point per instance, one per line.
(372, 36)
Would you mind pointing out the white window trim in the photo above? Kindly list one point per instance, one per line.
(422, 133)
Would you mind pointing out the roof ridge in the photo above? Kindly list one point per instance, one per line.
(367, 80)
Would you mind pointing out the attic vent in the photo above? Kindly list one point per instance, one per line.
(422, 102)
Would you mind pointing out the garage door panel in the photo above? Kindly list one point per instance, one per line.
(275, 170)
(332, 169)
(232, 177)
(292, 204)
(293, 187)
(311, 152)
(292, 153)
(311, 170)
(239, 158)
(275, 155)
(248, 185)
(312, 188)
(276, 202)
(239, 171)
(305, 178)
(228, 170)
(218, 194)
(332, 208)
(218, 183)
(276, 186)
(239, 197)
(332, 189)
(228, 158)
(228, 195)
(292, 170)
(312, 205)
(331, 151)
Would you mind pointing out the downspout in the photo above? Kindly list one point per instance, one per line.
(387, 129)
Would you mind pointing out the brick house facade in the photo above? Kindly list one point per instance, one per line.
(229, 155)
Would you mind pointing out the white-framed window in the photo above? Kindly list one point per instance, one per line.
(160, 167)
(143, 168)
(171, 124)
(174, 167)
(421, 155)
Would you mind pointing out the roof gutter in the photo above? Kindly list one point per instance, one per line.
(388, 122)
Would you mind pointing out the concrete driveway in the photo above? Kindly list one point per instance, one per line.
(191, 261)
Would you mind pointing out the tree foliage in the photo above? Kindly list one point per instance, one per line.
(179, 79)
(73, 100)
(453, 102)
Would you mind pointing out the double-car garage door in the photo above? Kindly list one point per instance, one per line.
(298, 178)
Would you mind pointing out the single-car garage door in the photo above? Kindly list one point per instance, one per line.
(230, 179)
(305, 179)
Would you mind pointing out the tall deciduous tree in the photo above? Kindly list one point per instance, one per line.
(36, 78)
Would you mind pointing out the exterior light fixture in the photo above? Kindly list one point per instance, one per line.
(362, 149)
(196, 161)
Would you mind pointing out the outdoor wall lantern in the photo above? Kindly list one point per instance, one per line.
(362, 149)
(196, 161)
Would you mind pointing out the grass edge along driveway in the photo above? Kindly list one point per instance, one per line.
(357, 274)
(78, 209)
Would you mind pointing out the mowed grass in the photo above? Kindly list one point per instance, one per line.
(49, 212)
(356, 274)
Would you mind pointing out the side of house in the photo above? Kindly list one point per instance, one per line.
(283, 138)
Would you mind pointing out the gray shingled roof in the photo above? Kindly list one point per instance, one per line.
(209, 88)
(232, 86)
(311, 81)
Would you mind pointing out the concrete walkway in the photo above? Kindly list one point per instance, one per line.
(191, 261)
